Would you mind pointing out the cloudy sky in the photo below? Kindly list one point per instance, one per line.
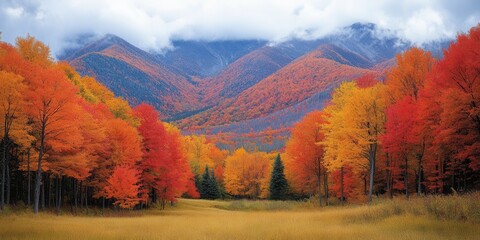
(152, 24)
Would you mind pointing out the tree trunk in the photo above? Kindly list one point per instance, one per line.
(389, 187)
(4, 166)
(389, 176)
(75, 193)
(28, 177)
(8, 182)
(441, 175)
(325, 186)
(55, 197)
(60, 188)
(319, 187)
(342, 198)
(420, 168)
(154, 196)
(406, 177)
(86, 197)
(81, 193)
(44, 191)
(372, 156)
(39, 171)
(50, 184)
(390, 181)
(319, 177)
(365, 192)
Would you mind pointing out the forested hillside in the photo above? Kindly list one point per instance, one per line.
(68, 140)
(190, 78)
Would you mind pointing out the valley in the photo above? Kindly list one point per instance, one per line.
(220, 86)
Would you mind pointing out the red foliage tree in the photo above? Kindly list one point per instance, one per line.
(164, 169)
(343, 182)
(397, 142)
(450, 113)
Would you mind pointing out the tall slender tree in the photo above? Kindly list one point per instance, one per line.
(355, 123)
(305, 162)
(278, 182)
(11, 103)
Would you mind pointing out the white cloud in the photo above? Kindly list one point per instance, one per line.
(14, 12)
(424, 25)
(153, 24)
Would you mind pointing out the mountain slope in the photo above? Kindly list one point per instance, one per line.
(260, 63)
(244, 73)
(200, 84)
(135, 75)
(343, 56)
(358, 45)
(292, 84)
(204, 59)
(367, 40)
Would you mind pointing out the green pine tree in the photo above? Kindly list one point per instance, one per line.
(198, 183)
(278, 182)
(205, 184)
(215, 188)
(209, 188)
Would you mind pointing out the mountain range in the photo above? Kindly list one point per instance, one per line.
(239, 85)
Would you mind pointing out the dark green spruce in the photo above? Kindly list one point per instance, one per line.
(278, 182)
(209, 187)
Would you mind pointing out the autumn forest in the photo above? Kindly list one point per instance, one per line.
(70, 145)
(67, 140)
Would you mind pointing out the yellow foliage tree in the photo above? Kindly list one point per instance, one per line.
(248, 174)
(355, 119)
(200, 153)
(197, 151)
(34, 51)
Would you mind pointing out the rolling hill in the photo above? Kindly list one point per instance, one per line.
(239, 85)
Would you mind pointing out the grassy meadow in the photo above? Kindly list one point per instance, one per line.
(438, 217)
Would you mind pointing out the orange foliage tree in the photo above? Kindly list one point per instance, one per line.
(304, 165)
(52, 100)
(81, 132)
(11, 116)
(122, 186)
(122, 147)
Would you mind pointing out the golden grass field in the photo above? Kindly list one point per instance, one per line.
(429, 218)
